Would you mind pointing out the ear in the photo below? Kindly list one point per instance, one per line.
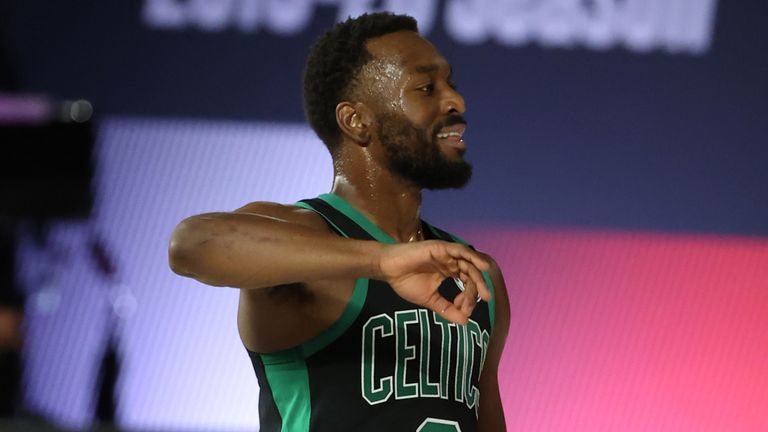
(354, 120)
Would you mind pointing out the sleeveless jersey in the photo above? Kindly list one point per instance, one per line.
(385, 364)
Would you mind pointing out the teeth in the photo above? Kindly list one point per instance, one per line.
(448, 134)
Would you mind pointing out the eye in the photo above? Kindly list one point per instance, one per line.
(428, 89)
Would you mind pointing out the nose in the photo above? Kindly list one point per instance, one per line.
(453, 102)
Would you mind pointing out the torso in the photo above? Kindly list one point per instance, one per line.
(375, 363)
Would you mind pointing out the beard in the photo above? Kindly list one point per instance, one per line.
(414, 154)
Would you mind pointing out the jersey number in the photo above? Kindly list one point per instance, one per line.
(438, 425)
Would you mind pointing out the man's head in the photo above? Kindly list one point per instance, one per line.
(374, 82)
(334, 63)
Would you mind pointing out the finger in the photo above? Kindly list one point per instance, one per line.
(463, 252)
(447, 266)
(470, 298)
(481, 288)
(453, 267)
(460, 302)
(470, 294)
(466, 291)
(450, 311)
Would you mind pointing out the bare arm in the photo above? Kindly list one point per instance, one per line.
(277, 247)
(265, 245)
(491, 413)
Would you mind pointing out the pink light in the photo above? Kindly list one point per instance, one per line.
(633, 332)
(24, 109)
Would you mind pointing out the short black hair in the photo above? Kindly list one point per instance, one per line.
(333, 64)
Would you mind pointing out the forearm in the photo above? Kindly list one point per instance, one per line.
(252, 251)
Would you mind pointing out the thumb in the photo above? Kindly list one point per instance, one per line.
(448, 311)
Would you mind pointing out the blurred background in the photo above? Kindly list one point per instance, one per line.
(621, 181)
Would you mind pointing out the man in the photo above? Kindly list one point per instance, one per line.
(346, 333)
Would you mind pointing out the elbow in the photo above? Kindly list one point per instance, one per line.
(182, 251)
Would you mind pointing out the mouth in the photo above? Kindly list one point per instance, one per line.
(452, 136)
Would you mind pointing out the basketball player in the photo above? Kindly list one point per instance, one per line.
(357, 314)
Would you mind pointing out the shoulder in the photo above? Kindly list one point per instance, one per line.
(494, 272)
(501, 300)
(285, 212)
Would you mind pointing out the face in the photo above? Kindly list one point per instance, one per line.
(418, 111)
(415, 154)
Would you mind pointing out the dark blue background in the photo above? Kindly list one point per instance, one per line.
(569, 137)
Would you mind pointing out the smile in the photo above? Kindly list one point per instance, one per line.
(443, 135)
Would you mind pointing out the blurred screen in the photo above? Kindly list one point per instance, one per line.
(619, 180)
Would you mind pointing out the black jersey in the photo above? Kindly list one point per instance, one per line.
(385, 365)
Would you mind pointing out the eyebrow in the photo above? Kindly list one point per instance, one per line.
(431, 68)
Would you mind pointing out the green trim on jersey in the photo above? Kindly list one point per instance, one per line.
(341, 325)
(286, 370)
(289, 383)
(305, 350)
(492, 303)
(341, 205)
(488, 281)
(309, 207)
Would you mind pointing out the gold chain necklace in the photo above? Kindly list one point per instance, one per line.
(417, 236)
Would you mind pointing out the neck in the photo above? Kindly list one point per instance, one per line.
(387, 201)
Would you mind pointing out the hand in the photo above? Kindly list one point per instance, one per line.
(416, 270)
